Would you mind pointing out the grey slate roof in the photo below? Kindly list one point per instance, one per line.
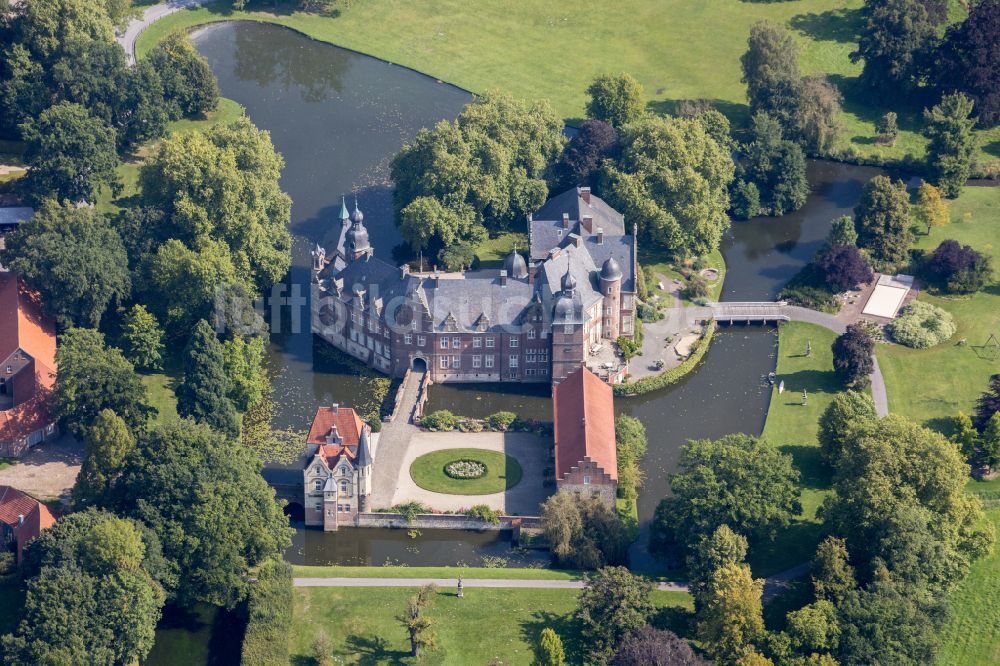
(467, 300)
(12, 216)
(581, 267)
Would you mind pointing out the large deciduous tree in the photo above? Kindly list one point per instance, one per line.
(142, 338)
(776, 165)
(203, 393)
(616, 99)
(74, 258)
(485, 170)
(672, 180)
(737, 480)
(731, 622)
(655, 647)
(844, 267)
(93, 377)
(951, 143)
(613, 604)
(70, 154)
(895, 43)
(720, 548)
(988, 403)
(109, 443)
(958, 268)
(594, 142)
(203, 495)
(969, 59)
(931, 210)
(222, 186)
(852, 356)
(846, 411)
(188, 83)
(882, 218)
(771, 69)
(583, 533)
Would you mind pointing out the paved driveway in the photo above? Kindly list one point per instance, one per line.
(531, 452)
(48, 470)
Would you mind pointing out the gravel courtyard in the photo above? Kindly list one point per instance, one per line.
(48, 470)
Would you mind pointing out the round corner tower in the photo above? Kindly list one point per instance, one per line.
(611, 290)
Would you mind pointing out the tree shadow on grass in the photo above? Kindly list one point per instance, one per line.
(738, 114)
(371, 651)
(992, 148)
(834, 25)
(679, 620)
(565, 625)
(809, 463)
(791, 547)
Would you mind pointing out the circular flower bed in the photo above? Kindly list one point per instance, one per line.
(465, 469)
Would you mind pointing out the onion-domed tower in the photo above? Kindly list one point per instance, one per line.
(611, 289)
(568, 344)
(515, 265)
(356, 243)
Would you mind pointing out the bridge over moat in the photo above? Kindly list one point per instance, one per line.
(740, 312)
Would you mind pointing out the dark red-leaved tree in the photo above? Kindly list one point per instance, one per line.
(989, 403)
(582, 156)
(655, 647)
(958, 268)
(969, 59)
(844, 267)
(852, 355)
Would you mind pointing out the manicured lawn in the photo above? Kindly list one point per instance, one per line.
(654, 262)
(160, 390)
(972, 635)
(792, 428)
(487, 624)
(206, 635)
(933, 385)
(502, 472)
(493, 251)
(433, 572)
(678, 49)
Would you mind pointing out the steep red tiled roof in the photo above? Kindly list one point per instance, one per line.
(584, 423)
(37, 517)
(348, 423)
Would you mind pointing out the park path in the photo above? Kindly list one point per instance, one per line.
(150, 16)
(392, 444)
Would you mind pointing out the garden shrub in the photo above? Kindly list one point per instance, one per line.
(465, 469)
(269, 617)
(442, 419)
(483, 511)
(8, 562)
(501, 420)
(922, 325)
(670, 376)
(411, 510)
(958, 269)
(697, 287)
(470, 425)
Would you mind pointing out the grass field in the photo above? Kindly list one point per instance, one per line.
(160, 390)
(933, 385)
(502, 472)
(792, 428)
(433, 572)
(972, 636)
(487, 624)
(676, 48)
(493, 251)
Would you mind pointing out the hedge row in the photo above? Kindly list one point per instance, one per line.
(671, 376)
(269, 617)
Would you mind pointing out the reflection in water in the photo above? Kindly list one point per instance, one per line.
(338, 118)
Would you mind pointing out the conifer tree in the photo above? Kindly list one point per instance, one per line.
(203, 394)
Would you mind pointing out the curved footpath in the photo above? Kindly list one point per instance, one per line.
(150, 16)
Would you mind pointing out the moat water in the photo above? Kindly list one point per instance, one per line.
(338, 118)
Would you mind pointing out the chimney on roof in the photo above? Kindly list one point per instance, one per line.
(588, 223)
(565, 221)
(532, 269)
(585, 195)
(20, 519)
(600, 236)
(503, 278)
(577, 240)
(335, 407)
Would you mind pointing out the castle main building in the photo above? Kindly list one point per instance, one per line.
(535, 320)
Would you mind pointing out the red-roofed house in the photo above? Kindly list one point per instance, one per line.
(586, 456)
(338, 473)
(22, 518)
(27, 368)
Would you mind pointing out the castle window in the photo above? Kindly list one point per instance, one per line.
(586, 480)
(444, 343)
(443, 363)
(477, 361)
(408, 338)
(489, 342)
(512, 361)
(531, 334)
(489, 361)
(318, 506)
(318, 484)
(421, 340)
(456, 361)
(456, 343)
(343, 487)
(609, 291)
(477, 342)
(568, 329)
(513, 343)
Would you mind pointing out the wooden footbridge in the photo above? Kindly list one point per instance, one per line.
(745, 312)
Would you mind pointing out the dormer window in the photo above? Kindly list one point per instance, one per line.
(318, 484)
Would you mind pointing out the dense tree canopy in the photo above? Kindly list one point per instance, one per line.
(222, 186)
(142, 338)
(203, 392)
(771, 70)
(91, 599)
(614, 603)
(882, 219)
(951, 143)
(720, 548)
(580, 163)
(844, 267)
(655, 647)
(109, 443)
(74, 258)
(969, 59)
(731, 622)
(931, 210)
(737, 480)
(616, 99)
(484, 170)
(583, 533)
(895, 43)
(70, 154)
(958, 268)
(93, 377)
(847, 410)
(203, 495)
(776, 166)
(988, 403)
(188, 83)
(842, 232)
(672, 180)
(852, 355)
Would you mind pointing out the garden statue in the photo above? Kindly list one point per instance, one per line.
(461, 592)
(809, 348)
(781, 387)
(805, 398)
